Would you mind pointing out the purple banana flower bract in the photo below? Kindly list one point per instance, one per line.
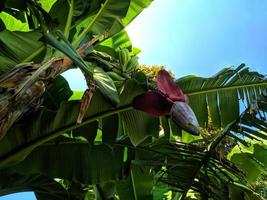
(168, 100)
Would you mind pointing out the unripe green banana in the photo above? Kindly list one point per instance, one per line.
(124, 57)
(132, 64)
(115, 76)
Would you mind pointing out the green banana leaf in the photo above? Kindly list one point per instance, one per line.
(112, 45)
(102, 80)
(121, 12)
(88, 17)
(248, 129)
(251, 133)
(98, 17)
(57, 92)
(186, 167)
(189, 167)
(46, 4)
(73, 160)
(14, 11)
(106, 19)
(219, 97)
(31, 144)
(137, 186)
(105, 85)
(85, 167)
(49, 124)
(136, 7)
(17, 47)
(139, 130)
(253, 164)
(13, 24)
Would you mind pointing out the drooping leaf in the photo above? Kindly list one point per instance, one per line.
(73, 160)
(106, 85)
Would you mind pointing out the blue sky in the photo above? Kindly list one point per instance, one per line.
(202, 36)
(197, 37)
(19, 196)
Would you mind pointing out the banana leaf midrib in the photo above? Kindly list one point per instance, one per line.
(223, 88)
(69, 19)
(182, 152)
(5, 159)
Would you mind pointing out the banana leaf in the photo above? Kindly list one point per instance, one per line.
(17, 47)
(216, 100)
(49, 124)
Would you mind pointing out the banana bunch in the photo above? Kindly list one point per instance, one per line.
(128, 63)
(117, 79)
(115, 76)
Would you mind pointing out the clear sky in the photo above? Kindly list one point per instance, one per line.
(196, 37)
(202, 36)
(19, 196)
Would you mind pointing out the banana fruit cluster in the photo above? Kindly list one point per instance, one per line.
(128, 63)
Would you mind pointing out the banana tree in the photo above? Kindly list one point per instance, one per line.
(65, 144)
